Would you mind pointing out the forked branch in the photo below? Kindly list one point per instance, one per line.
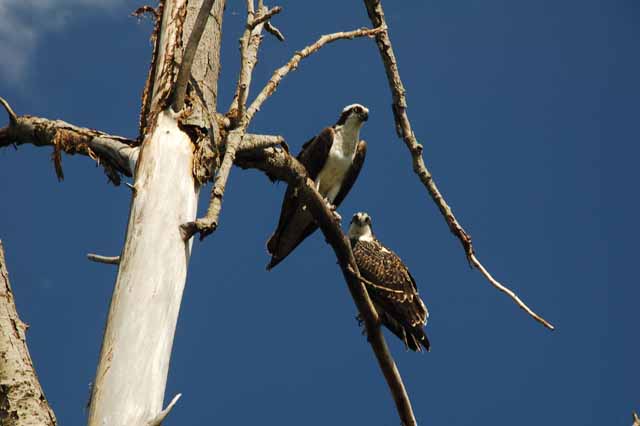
(279, 164)
(403, 128)
(208, 224)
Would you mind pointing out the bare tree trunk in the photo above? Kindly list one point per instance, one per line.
(134, 361)
(22, 402)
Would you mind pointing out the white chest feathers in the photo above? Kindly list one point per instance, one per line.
(339, 161)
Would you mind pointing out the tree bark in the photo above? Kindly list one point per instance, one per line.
(22, 402)
(134, 360)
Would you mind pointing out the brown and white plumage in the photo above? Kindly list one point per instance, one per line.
(333, 160)
(390, 285)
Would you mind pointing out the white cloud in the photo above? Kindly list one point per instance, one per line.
(24, 22)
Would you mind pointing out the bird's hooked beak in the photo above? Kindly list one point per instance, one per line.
(364, 115)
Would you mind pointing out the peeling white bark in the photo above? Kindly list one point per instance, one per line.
(134, 360)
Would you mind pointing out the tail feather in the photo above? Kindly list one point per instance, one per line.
(288, 236)
(414, 338)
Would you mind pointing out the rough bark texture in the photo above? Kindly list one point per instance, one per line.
(117, 155)
(134, 360)
(22, 402)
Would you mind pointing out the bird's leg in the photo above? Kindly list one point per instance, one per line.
(333, 210)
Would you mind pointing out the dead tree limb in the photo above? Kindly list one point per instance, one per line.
(117, 155)
(209, 222)
(109, 260)
(293, 63)
(403, 128)
(22, 401)
(279, 164)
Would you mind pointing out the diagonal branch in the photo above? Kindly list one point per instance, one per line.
(249, 45)
(184, 74)
(117, 155)
(264, 17)
(235, 143)
(22, 401)
(281, 72)
(403, 128)
(279, 164)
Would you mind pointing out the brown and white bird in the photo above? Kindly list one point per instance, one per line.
(333, 160)
(390, 285)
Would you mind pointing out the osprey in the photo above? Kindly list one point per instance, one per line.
(391, 287)
(333, 160)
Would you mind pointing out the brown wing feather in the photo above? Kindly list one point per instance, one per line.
(394, 292)
(352, 174)
(295, 223)
(315, 152)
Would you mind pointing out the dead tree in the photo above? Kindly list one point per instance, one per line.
(22, 402)
(184, 142)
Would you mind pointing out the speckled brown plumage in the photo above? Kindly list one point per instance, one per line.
(393, 292)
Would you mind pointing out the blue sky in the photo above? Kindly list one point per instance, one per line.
(528, 112)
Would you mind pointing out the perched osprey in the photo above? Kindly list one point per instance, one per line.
(391, 287)
(333, 160)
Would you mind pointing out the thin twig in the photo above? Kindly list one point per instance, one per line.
(249, 45)
(273, 30)
(281, 72)
(184, 74)
(280, 165)
(157, 420)
(403, 128)
(109, 260)
(13, 118)
(264, 17)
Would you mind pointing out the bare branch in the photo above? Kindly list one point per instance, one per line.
(209, 223)
(184, 74)
(249, 45)
(281, 72)
(117, 155)
(157, 420)
(403, 128)
(279, 164)
(235, 142)
(109, 260)
(251, 142)
(264, 17)
(12, 115)
(21, 396)
(273, 30)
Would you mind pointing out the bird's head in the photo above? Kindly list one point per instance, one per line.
(354, 114)
(360, 228)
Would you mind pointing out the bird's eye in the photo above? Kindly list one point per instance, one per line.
(358, 109)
